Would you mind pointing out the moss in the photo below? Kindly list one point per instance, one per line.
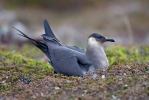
(22, 77)
(14, 65)
(119, 54)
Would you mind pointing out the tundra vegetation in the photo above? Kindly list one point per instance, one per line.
(25, 74)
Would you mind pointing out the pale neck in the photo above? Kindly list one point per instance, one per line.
(96, 54)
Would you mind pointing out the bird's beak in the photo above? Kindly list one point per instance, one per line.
(110, 40)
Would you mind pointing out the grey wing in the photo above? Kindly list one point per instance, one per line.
(65, 62)
(76, 49)
(82, 59)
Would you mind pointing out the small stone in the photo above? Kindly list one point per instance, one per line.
(42, 94)
(128, 66)
(56, 88)
(114, 97)
(85, 91)
(103, 76)
(68, 81)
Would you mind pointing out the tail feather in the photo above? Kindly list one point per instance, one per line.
(49, 34)
(43, 47)
(48, 30)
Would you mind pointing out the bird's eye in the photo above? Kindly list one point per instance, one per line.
(100, 37)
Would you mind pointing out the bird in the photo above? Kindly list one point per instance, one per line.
(72, 60)
(95, 51)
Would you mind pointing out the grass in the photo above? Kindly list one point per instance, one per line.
(23, 77)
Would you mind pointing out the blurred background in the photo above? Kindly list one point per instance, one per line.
(72, 21)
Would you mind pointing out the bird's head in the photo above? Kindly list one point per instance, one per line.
(96, 38)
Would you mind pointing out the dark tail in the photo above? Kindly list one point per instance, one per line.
(43, 47)
(48, 30)
(49, 36)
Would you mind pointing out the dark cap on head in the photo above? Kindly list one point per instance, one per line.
(100, 38)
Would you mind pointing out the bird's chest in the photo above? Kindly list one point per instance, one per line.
(98, 58)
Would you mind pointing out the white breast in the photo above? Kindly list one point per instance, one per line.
(96, 54)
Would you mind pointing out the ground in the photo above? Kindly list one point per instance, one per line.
(25, 77)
